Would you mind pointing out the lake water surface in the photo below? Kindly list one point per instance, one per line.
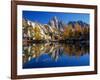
(55, 55)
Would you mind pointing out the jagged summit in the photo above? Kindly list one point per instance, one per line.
(56, 23)
(81, 23)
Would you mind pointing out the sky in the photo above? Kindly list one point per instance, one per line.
(45, 17)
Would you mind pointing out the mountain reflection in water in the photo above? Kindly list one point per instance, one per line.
(55, 55)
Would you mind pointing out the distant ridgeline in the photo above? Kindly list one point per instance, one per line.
(55, 30)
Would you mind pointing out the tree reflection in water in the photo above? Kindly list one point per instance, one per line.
(53, 50)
